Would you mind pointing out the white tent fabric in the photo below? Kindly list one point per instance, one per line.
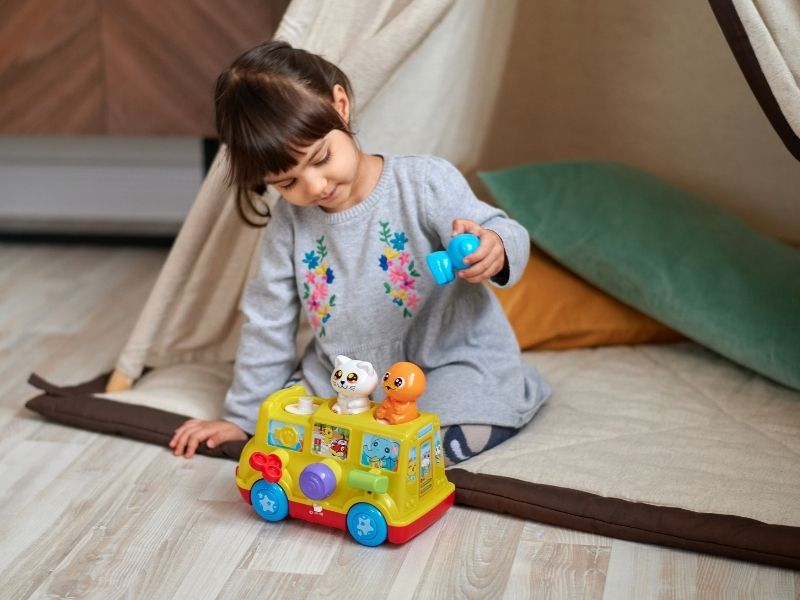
(774, 32)
(425, 76)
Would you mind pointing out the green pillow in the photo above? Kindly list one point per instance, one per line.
(681, 260)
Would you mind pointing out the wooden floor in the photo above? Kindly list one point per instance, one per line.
(84, 515)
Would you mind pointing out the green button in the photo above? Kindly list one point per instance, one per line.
(368, 481)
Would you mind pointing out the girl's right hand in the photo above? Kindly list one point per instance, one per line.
(194, 431)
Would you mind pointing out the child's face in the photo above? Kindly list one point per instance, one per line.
(324, 176)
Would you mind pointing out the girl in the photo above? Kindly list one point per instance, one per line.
(346, 246)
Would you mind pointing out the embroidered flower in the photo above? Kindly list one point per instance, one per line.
(399, 240)
(407, 283)
(397, 273)
(321, 289)
(311, 259)
(316, 287)
(401, 270)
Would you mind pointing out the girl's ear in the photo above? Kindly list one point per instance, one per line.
(341, 103)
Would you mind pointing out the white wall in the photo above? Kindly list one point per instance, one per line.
(98, 184)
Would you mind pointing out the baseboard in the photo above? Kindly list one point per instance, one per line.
(103, 185)
(86, 232)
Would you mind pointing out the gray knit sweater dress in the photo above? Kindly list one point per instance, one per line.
(359, 277)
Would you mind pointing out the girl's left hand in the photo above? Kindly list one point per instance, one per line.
(490, 257)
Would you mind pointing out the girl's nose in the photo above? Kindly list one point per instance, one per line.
(317, 186)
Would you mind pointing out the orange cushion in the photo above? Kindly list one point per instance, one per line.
(550, 308)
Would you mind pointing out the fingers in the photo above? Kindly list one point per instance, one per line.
(218, 438)
(466, 226)
(229, 433)
(189, 436)
(180, 432)
(486, 248)
(483, 270)
(178, 438)
(193, 432)
(193, 441)
(487, 261)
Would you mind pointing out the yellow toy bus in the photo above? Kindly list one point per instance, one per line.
(375, 480)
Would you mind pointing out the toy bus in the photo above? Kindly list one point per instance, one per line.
(354, 472)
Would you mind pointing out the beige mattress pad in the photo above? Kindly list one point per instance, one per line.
(673, 425)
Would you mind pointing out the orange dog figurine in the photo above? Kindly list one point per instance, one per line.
(404, 382)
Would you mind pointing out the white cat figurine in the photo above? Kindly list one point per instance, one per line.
(354, 381)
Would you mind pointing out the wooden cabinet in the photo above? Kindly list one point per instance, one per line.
(121, 67)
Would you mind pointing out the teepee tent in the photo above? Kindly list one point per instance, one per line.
(438, 77)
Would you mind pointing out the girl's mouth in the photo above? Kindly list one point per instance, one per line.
(329, 195)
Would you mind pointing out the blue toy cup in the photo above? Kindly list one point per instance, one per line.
(460, 247)
(444, 263)
(440, 267)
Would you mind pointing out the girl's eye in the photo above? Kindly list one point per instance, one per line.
(325, 158)
(288, 186)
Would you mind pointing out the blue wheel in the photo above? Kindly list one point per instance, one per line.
(269, 500)
(367, 525)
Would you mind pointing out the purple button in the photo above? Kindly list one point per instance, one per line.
(317, 481)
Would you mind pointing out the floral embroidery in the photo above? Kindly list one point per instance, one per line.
(316, 287)
(400, 270)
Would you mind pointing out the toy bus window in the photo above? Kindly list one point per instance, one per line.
(425, 471)
(424, 431)
(285, 435)
(330, 441)
(411, 473)
(380, 452)
(437, 447)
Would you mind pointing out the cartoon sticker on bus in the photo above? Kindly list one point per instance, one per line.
(330, 440)
(285, 435)
(380, 452)
(377, 480)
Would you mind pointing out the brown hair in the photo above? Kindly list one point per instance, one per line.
(271, 102)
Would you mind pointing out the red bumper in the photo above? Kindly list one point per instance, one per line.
(329, 518)
(400, 535)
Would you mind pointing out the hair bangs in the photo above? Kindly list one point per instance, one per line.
(270, 125)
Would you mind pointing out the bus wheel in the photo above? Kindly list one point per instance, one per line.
(269, 500)
(367, 525)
